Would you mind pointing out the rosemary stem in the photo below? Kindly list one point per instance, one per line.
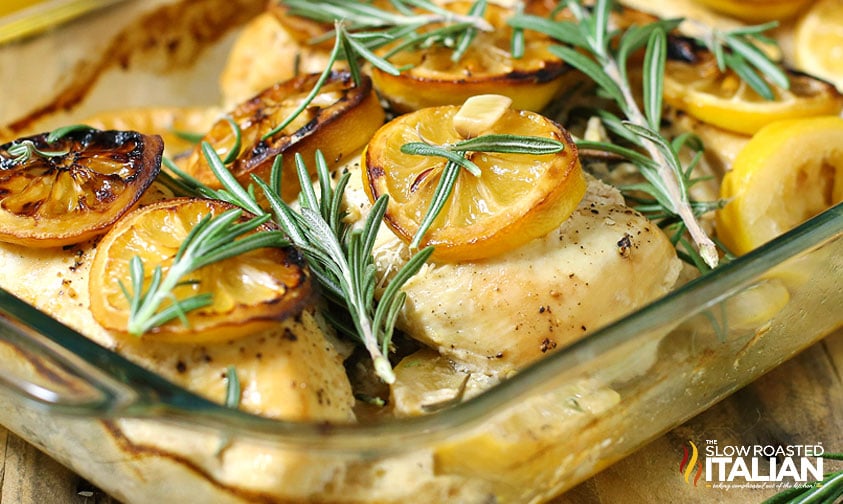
(705, 245)
(364, 324)
(383, 368)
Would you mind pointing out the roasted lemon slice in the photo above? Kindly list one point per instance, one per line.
(818, 41)
(432, 78)
(789, 171)
(757, 11)
(515, 198)
(56, 192)
(338, 121)
(249, 291)
(699, 88)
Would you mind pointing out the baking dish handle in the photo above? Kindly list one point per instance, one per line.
(49, 364)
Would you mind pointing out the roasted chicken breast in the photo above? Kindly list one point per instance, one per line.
(499, 314)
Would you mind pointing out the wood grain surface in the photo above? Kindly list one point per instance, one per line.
(800, 402)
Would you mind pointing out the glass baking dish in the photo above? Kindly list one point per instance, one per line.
(554, 424)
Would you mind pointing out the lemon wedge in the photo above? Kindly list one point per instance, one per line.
(788, 172)
(818, 40)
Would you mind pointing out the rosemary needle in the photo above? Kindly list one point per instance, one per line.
(233, 391)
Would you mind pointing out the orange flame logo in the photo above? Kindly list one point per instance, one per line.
(690, 462)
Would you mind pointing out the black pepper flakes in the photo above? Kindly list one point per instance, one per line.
(625, 245)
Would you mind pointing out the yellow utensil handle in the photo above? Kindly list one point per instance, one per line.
(21, 18)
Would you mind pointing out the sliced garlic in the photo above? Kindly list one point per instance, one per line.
(479, 113)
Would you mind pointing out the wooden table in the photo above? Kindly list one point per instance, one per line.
(801, 402)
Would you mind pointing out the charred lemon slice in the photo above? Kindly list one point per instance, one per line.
(757, 11)
(433, 78)
(338, 121)
(249, 291)
(698, 87)
(788, 172)
(56, 192)
(515, 198)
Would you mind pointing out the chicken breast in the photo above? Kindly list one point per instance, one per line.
(497, 315)
(291, 371)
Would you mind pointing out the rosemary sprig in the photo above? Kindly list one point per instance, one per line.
(827, 491)
(588, 47)
(411, 24)
(339, 257)
(213, 239)
(455, 154)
